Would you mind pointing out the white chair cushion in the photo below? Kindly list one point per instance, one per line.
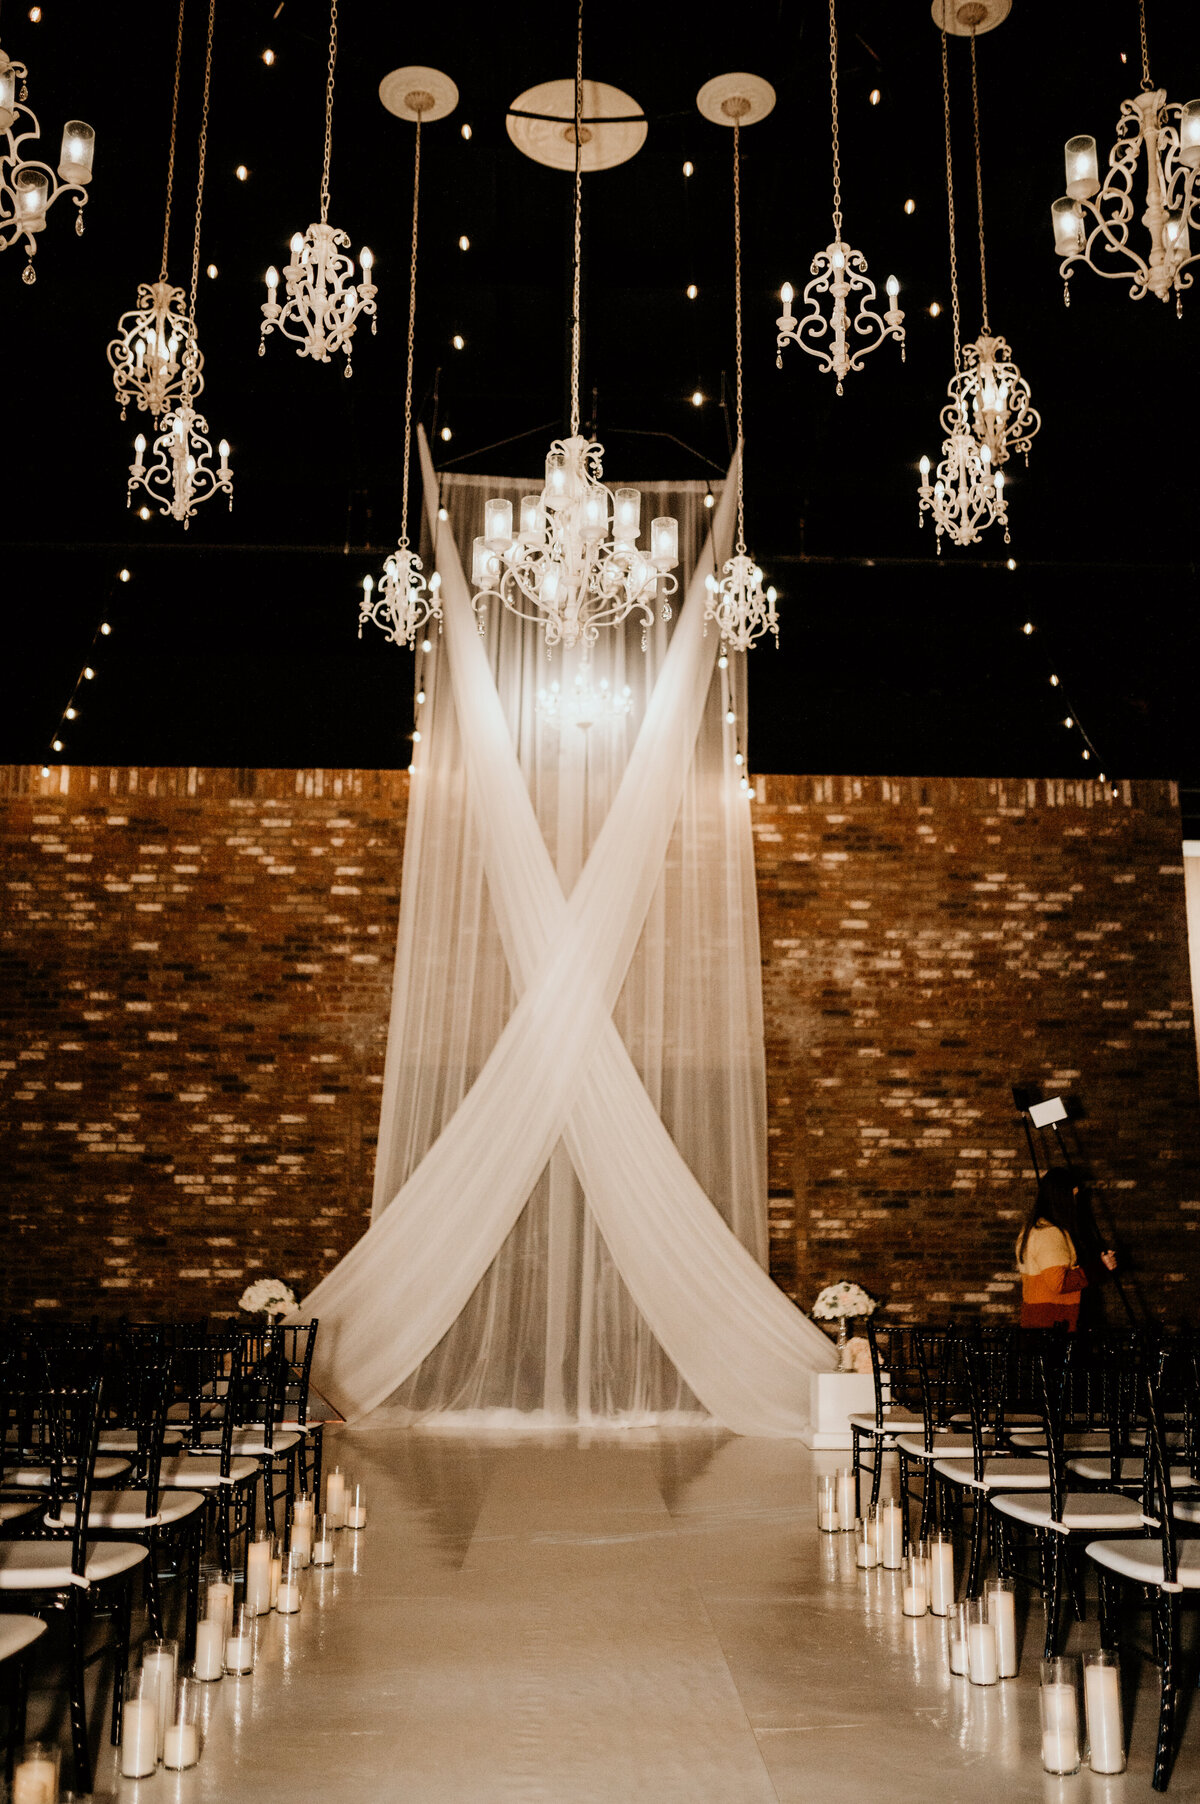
(250, 1441)
(999, 1474)
(893, 1421)
(193, 1470)
(17, 1633)
(1100, 1511)
(1142, 1561)
(46, 1565)
(38, 1477)
(13, 1508)
(127, 1509)
(944, 1443)
(1096, 1471)
(1186, 1509)
(125, 1440)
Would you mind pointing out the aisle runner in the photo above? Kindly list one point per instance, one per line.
(574, 1661)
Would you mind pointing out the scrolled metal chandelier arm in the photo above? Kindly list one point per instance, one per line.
(29, 187)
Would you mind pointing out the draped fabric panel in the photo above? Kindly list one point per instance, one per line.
(603, 872)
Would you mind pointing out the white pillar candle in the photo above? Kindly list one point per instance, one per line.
(335, 1498)
(35, 1781)
(827, 1510)
(258, 1577)
(982, 1664)
(941, 1577)
(301, 1541)
(1102, 1701)
(1002, 1614)
(219, 1606)
(158, 1664)
(846, 1507)
(912, 1600)
(210, 1649)
(1060, 1750)
(181, 1746)
(356, 1507)
(322, 1547)
(866, 1543)
(891, 1537)
(958, 1654)
(287, 1601)
(139, 1738)
(239, 1653)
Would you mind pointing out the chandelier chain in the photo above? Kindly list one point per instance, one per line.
(737, 318)
(578, 238)
(979, 185)
(162, 276)
(833, 97)
(950, 200)
(333, 27)
(212, 11)
(412, 320)
(1147, 84)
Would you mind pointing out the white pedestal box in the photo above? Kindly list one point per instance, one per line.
(833, 1398)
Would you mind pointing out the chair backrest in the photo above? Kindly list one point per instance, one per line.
(939, 1363)
(67, 1419)
(1050, 1352)
(894, 1367)
(988, 1357)
(1158, 1493)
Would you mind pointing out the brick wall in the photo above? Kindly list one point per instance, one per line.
(195, 971)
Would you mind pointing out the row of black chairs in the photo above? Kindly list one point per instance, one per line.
(127, 1453)
(1054, 1456)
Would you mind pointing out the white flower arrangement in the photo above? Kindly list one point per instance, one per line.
(267, 1296)
(839, 1302)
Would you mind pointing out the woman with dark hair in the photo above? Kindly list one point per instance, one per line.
(1051, 1278)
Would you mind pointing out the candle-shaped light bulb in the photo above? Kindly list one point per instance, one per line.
(297, 243)
(787, 295)
(368, 586)
(839, 259)
(1083, 170)
(272, 279)
(139, 444)
(893, 286)
(367, 259)
(924, 467)
(223, 452)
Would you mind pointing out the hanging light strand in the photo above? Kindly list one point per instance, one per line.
(577, 241)
(333, 27)
(1070, 720)
(162, 274)
(87, 674)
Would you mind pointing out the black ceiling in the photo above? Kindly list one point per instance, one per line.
(235, 642)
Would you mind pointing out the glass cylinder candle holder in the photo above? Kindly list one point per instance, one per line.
(301, 1535)
(181, 1743)
(239, 1644)
(8, 112)
(983, 1665)
(35, 1775)
(866, 1540)
(891, 1536)
(335, 1499)
(276, 1571)
(1059, 1699)
(956, 1640)
(847, 1504)
(1083, 169)
(827, 1510)
(322, 1548)
(1189, 135)
(914, 1598)
(356, 1506)
(497, 524)
(627, 515)
(216, 1596)
(1102, 1702)
(139, 1724)
(291, 1584)
(1000, 1609)
(941, 1574)
(75, 156)
(160, 1664)
(1068, 227)
(259, 1555)
(31, 189)
(664, 545)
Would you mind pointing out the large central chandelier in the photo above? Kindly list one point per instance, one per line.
(574, 564)
(852, 328)
(156, 340)
(1095, 218)
(181, 474)
(28, 189)
(966, 494)
(323, 303)
(406, 601)
(736, 600)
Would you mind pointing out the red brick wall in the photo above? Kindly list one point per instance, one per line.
(195, 971)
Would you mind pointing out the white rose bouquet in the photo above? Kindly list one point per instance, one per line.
(838, 1303)
(267, 1296)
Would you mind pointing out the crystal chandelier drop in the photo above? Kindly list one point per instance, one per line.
(967, 493)
(1093, 217)
(987, 389)
(323, 302)
(28, 189)
(736, 600)
(583, 704)
(841, 339)
(180, 474)
(575, 565)
(406, 600)
(156, 340)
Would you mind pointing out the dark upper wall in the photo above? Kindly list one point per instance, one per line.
(195, 971)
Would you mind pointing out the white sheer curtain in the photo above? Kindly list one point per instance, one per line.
(552, 1324)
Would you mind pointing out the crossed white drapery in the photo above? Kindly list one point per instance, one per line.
(560, 1069)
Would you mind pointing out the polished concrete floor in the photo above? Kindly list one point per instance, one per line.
(565, 1620)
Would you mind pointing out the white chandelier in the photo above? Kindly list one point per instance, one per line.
(575, 565)
(584, 704)
(407, 601)
(324, 302)
(853, 328)
(1092, 217)
(156, 341)
(28, 189)
(736, 601)
(180, 474)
